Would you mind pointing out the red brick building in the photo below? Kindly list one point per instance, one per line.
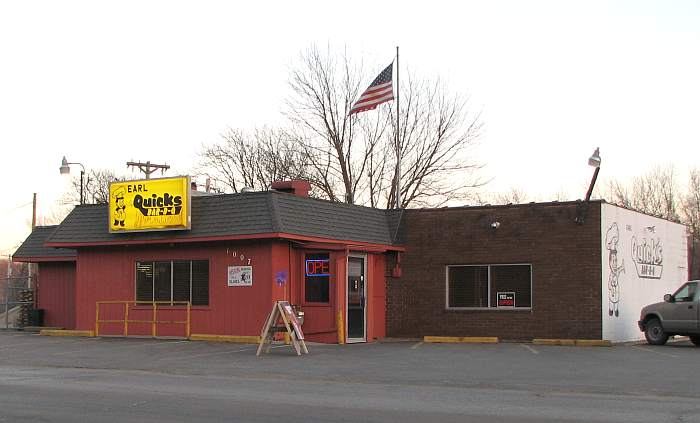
(550, 263)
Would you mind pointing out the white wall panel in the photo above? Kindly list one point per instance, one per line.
(643, 258)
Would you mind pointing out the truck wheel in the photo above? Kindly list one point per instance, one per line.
(654, 333)
(695, 339)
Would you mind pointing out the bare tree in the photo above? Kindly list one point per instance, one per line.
(95, 187)
(54, 216)
(690, 211)
(618, 193)
(655, 193)
(436, 132)
(690, 204)
(513, 196)
(561, 195)
(353, 158)
(323, 89)
(251, 159)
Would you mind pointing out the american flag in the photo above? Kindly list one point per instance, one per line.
(379, 91)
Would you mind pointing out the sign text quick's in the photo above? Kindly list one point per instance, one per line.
(158, 206)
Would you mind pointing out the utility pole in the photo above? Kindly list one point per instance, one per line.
(30, 266)
(33, 212)
(148, 167)
(7, 291)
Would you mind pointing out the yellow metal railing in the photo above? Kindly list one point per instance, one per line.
(154, 314)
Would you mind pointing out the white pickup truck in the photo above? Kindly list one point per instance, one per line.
(676, 315)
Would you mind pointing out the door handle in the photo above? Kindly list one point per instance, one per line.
(690, 306)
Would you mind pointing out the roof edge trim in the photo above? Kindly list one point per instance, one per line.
(267, 235)
(41, 259)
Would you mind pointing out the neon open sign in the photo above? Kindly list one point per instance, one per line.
(318, 267)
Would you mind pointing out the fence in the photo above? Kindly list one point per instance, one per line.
(116, 316)
(16, 300)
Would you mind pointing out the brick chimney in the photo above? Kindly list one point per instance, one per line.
(295, 186)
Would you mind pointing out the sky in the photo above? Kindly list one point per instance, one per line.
(103, 83)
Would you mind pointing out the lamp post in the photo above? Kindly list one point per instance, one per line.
(593, 161)
(65, 170)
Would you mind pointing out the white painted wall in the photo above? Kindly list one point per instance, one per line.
(646, 257)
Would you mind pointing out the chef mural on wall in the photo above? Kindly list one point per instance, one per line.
(646, 254)
(612, 239)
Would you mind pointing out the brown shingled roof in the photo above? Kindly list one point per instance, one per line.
(245, 214)
(33, 249)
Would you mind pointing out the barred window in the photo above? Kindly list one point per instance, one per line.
(173, 280)
(489, 286)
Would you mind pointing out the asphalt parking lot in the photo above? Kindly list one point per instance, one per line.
(115, 379)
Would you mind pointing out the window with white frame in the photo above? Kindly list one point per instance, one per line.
(506, 286)
(173, 280)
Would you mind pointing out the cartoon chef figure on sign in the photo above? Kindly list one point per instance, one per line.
(612, 238)
(119, 208)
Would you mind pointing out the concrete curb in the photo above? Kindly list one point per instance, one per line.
(462, 339)
(57, 332)
(226, 338)
(573, 342)
(38, 329)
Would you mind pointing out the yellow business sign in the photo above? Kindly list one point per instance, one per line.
(149, 205)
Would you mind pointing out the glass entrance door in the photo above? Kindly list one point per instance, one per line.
(357, 293)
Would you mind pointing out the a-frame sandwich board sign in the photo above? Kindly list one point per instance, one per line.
(282, 319)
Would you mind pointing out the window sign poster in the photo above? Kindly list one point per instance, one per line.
(505, 299)
(240, 276)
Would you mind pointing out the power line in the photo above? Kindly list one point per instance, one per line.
(15, 208)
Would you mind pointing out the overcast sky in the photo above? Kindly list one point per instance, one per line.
(106, 82)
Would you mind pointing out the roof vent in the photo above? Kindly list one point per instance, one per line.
(296, 187)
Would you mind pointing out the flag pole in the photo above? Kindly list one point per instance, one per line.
(398, 145)
(347, 194)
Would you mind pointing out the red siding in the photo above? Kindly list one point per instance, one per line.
(108, 274)
(319, 319)
(56, 293)
(376, 294)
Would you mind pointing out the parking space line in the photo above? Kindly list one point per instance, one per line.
(253, 348)
(3, 347)
(532, 350)
(180, 357)
(654, 351)
(126, 347)
(149, 343)
(417, 345)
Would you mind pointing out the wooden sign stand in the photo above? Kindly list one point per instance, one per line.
(282, 319)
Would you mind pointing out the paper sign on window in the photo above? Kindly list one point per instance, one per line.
(240, 276)
(505, 299)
